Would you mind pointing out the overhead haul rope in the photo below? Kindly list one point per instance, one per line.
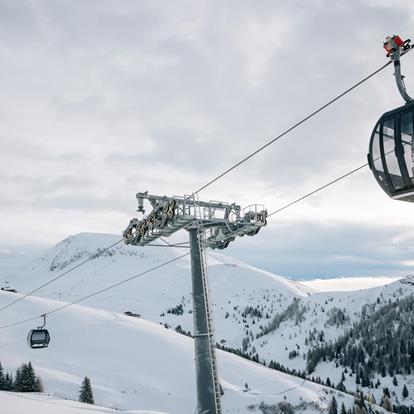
(290, 129)
(322, 187)
(121, 282)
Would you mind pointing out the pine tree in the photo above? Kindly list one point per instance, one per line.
(27, 378)
(343, 409)
(2, 378)
(8, 382)
(333, 406)
(394, 381)
(85, 393)
(405, 391)
(381, 368)
(24, 379)
(359, 400)
(341, 387)
(17, 380)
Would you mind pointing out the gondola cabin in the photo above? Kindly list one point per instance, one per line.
(391, 152)
(38, 338)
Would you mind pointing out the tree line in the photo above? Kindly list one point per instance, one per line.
(24, 380)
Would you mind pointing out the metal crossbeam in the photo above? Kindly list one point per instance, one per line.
(222, 222)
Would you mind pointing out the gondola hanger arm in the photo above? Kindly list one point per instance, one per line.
(396, 47)
(44, 321)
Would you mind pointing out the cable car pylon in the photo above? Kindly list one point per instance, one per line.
(210, 224)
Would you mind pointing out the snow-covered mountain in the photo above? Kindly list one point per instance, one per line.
(234, 285)
(140, 365)
(320, 319)
(264, 315)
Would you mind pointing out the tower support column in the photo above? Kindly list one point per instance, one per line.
(208, 392)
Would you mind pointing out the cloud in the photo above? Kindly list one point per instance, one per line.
(310, 250)
(102, 100)
(349, 283)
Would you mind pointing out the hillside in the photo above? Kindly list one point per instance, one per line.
(266, 316)
(234, 285)
(245, 299)
(375, 353)
(325, 316)
(139, 365)
(17, 403)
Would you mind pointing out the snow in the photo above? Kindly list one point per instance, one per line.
(18, 403)
(136, 364)
(233, 283)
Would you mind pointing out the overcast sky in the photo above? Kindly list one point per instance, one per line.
(101, 99)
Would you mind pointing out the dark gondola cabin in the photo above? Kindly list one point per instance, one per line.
(391, 149)
(391, 153)
(38, 338)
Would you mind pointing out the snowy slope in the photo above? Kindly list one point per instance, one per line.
(139, 365)
(18, 403)
(314, 325)
(234, 284)
(245, 299)
(316, 315)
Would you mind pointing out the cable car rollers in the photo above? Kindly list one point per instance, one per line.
(39, 338)
(391, 149)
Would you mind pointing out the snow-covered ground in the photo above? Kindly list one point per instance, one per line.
(18, 403)
(234, 284)
(139, 365)
(245, 300)
(235, 288)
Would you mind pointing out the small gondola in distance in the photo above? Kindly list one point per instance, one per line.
(38, 338)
